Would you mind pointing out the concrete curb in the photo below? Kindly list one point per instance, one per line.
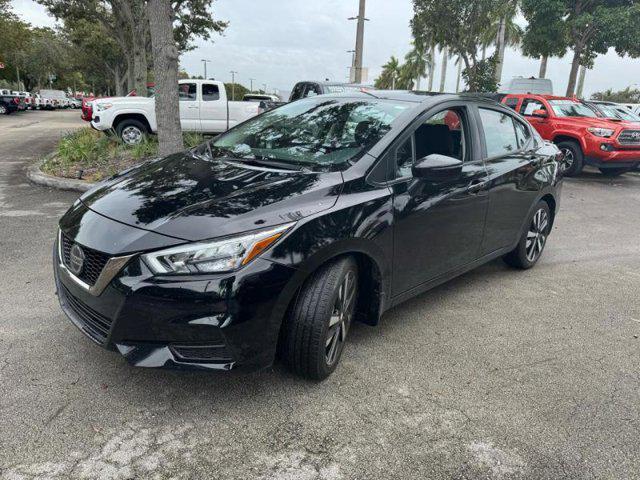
(39, 178)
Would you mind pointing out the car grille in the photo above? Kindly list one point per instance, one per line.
(201, 353)
(94, 261)
(96, 325)
(629, 137)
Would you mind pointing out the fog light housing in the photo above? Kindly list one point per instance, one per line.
(607, 147)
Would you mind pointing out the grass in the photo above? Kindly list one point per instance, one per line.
(91, 155)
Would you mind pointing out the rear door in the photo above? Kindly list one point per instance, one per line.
(437, 227)
(189, 107)
(510, 153)
(213, 109)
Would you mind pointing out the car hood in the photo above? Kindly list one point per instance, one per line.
(191, 197)
(592, 121)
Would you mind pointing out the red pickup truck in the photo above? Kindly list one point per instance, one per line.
(613, 146)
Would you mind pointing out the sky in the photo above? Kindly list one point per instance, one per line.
(280, 42)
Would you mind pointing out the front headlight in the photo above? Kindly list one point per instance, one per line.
(225, 255)
(103, 106)
(601, 132)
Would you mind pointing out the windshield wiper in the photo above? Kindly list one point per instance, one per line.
(268, 163)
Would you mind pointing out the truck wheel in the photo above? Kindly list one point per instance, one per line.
(573, 158)
(613, 172)
(533, 240)
(3, 110)
(131, 132)
(316, 329)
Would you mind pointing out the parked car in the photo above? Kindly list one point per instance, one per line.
(58, 98)
(260, 97)
(22, 101)
(634, 107)
(313, 88)
(75, 103)
(27, 98)
(611, 110)
(204, 107)
(585, 139)
(8, 102)
(279, 234)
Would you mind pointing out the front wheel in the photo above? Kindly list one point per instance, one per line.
(316, 330)
(613, 172)
(3, 110)
(533, 240)
(573, 161)
(131, 132)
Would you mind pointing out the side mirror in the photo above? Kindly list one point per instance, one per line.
(540, 113)
(437, 168)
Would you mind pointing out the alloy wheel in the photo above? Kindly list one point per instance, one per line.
(340, 318)
(568, 159)
(132, 135)
(537, 235)
(3, 109)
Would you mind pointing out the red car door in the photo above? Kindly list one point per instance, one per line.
(541, 124)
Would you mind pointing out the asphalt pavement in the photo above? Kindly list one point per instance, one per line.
(499, 374)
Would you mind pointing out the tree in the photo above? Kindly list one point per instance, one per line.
(545, 35)
(483, 78)
(628, 95)
(506, 32)
(389, 76)
(460, 25)
(165, 64)
(236, 90)
(416, 62)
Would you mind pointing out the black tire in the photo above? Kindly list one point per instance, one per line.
(3, 110)
(573, 152)
(613, 172)
(308, 331)
(130, 125)
(521, 256)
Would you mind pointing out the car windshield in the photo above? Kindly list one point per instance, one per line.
(569, 108)
(318, 133)
(621, 113)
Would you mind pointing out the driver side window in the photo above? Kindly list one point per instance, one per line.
(442, 133)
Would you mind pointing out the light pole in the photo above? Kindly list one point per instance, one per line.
(233, 85)
(251, 80)
(359, 41)
(265, 87)
(205, 67)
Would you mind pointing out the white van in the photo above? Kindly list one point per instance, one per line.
(535, 86)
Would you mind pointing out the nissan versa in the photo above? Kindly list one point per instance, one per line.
(271, 239)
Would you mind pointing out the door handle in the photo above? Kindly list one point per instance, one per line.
(477, 185)
(191, 108)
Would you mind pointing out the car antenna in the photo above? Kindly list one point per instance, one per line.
(367, 92)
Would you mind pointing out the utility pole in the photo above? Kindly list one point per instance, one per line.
(251, 80)
(233, 85)
(359, 41)
(205, 67)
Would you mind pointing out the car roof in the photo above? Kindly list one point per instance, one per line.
(412, 96)
(546, 97)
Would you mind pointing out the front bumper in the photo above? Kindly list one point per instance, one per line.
(213, 322)
(605, 153)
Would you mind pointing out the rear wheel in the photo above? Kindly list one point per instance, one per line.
(533, 240)
(131, 132)
(316, 329)
(3, 110)
(613, 172)
(573, 162)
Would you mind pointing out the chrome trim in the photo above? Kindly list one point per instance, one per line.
(110, 270)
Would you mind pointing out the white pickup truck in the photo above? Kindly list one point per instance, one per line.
(204, 107)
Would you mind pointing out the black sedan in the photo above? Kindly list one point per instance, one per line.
(274, 237)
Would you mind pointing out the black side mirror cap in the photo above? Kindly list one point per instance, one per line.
(437, 168)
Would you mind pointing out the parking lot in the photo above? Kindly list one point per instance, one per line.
(498, 374)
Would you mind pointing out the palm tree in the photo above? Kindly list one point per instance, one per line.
(390, 75)
(506, 32)
(443, 71)
(417, 62)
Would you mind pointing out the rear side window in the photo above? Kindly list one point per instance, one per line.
(499, 133)
(530, 105)
(210, 92)
(511, 102)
